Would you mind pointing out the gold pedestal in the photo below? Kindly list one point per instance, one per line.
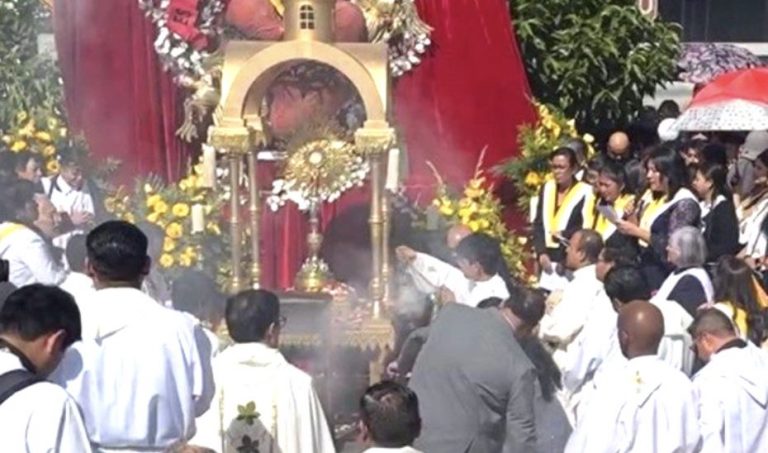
(314, 274)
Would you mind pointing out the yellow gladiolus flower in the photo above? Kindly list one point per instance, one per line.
(52, 166)
(160, 207)
(129, 217)
(18, 146)
(174, 230)
(43, 136)
(473, 225)
(154, 218)
(166, 261)
(532, 179)
(169, 244)
(447, 210)
(556, 130)
(180, 210)
(153, 200)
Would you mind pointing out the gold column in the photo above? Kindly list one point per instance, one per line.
(235, 142)
(255, 211)
(373, 141)
(386, 217)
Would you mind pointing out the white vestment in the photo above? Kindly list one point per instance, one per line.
(41, 418)
(595, 346)
(674, 278)
(262, 398)
(733, 400)
(675, 347)
(143, 377)
(430, 274)
(29, 257)
(69, 200)
(566, 320)
(649, 407)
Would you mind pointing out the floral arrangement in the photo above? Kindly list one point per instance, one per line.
(188, 214)
(480, 210)
(530, 170)
(320, 167)
(40, 132)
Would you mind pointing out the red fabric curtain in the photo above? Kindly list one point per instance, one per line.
(471, 92)
(117, 94)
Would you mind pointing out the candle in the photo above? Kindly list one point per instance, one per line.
(209, 167)
(393, 170)
(198, 218)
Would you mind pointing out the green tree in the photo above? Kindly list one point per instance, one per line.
(594, 59)
(27, 80)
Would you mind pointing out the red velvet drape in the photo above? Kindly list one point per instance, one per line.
(116, 92)
(470, 93)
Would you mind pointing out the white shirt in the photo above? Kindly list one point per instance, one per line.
(595, 345)
(256, 379)
(143, 377)
(566, 320)
(29, 257)
(429, 274)
(41, 418)
(79, 285)
(66, 198)
(649, 407)
(675, 347)
(733, 400)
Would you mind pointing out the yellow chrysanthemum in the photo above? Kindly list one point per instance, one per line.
(532, 179)
(161, 207)
(447, 210)
(153, 200)
(169, 245)
(153, 217)
(110, 204)
(49, 151)
(174, 230)
(180, 210)
(43, 136)
(166, 260)
(129, 217)
(18, 146)
(52, 166)
(186, 261)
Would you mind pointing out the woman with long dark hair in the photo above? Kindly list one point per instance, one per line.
(667, 206)
(720, 225)
(613, 196)
(735, 295)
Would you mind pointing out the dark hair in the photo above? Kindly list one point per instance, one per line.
(22, 158)
(117, 251)
(712, 321)
(626, 283)
(669, 109)
(734, 283)
(620, 255)
(17, 202)
(636, 180)
(5, 270)
(671, 165)
(70, 156)
(528, 304)
(715, 153)
(76, 253)
(250, 313)
(591, 244)
(597, 163)
(390, 412)
(196, 292)
(36, 310)
(483, 249)
(615, 172)
(718, 175)
(566, 152)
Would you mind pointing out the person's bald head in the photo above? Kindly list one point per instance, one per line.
(641, 328)
(618, 144)
(710, 331)
(455, 235)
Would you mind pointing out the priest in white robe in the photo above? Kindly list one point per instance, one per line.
(476, 279)
(650, 406)
(37, 416)
(260, 398)
(732, 388)
(564, 322)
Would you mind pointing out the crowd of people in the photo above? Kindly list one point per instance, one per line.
(645, 336)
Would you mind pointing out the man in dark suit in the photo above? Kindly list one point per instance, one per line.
(475, 384)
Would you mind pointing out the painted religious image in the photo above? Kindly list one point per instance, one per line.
(369, 226)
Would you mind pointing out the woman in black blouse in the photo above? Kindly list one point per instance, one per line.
(720, 224)
(667, 206)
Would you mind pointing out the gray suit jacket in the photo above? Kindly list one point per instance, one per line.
(475, 385)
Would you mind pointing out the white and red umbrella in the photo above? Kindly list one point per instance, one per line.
(737, 101)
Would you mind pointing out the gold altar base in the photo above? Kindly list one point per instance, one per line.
(313, 276)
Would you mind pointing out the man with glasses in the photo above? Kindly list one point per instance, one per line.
(732, 388)
(262, 402)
